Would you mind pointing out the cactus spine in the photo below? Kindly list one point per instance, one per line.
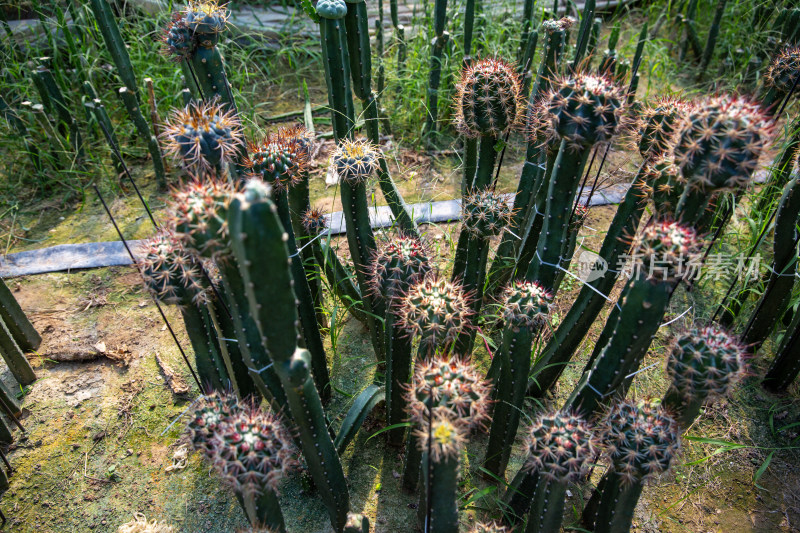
(525, 307)
(258, 243)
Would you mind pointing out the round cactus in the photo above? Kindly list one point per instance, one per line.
(663, 184)
(667, 251)
(331, 9)
(202, 135)
(583, 110)
(211, 414)
(659, 124)
(444, 437)
(168, 270)
(206, 17)
(640, 439)
(705, 362)
(302, 137)
(485, 214)
(314, 221)
(561, 446)
(199, 212)
(177, 40)
(435, 309)
(279, 159)
(448, 386)
(784, 70)
(525, 303)
(396, 265)
(488, 99)
(720, 143)
(355, 161)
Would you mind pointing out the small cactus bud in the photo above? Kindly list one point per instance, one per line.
(248, 447)
(561, 446)
(314, 221)
(444, 437)
(331, 9)
(206, 17)
(525, 304)
(449, 386)
(583, 109)
(640, 439)
(167, 268)
(435, 309)
(279, 159)
(667, 251)
(659, 124)
(177, 40)
(488, 99)
(486, 214)
(199, 213)
(784, 70)
(720, 143)
(355, 161)
(562, 24)
(202, 135)
(396, 265)
(705, 362)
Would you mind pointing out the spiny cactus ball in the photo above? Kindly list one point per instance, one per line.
(662, 180)
(435, 309)
(206, 17)
(525, 304)
(488, 99)
(202, 135)
(561, 446)
(396, 265)
(721, 141)
(705, 362)
(583, 110)
(487, 527)
(355, 161)
(213, 411)
(199, 212)
(300, 135)
(485, 214)
(659, 124)
(640, 439)
(444, 437)
(168, 270)
(314, 221)
(279, 160)
(331, 9)
(177, 40)
(667, 251)
(784, 70)
(450, 386)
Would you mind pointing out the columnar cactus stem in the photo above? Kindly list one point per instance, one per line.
(25, 335)
(786, 365)
(441, 443)
(559, 349)
(258, 244)
(705, 362)
(524, 307)
(440, 40)
(561, 447)
(663, 252)
(641, 441)
(336, 59)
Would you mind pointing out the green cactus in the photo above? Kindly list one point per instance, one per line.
(336, 60)
(440, 41)
(665, 185)
(704, 363)
(580, 112)
(258, 246)
(396, 266)
(437, 311)
(778, 291)
(590, 301)
(524, 309)
(584, 33)
(718, 149)
(249, 449)
(659, 126)
(713, 34)
(50, 92)
(664, 253)
(641, 441)
(786, 365)
(441, 443)
(780, 78)
(355, 162)
(561, 448)
(442, 387)
(486, 214)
